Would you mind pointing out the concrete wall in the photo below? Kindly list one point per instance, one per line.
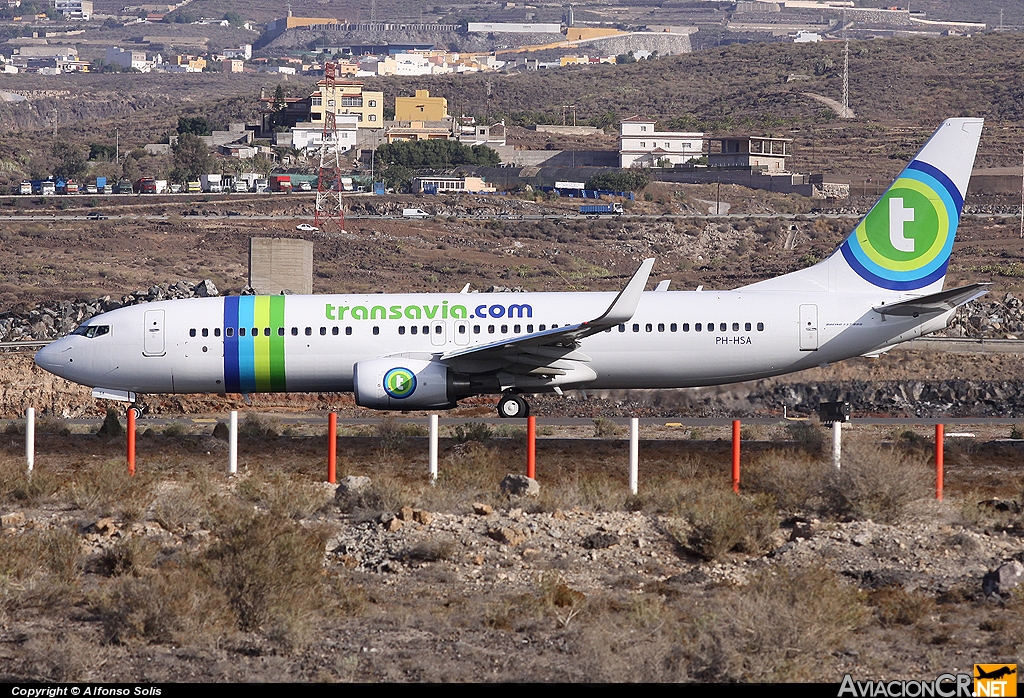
(280, 264)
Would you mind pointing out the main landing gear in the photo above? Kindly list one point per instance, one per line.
(512, 406)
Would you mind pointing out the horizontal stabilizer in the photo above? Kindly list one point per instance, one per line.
(935, 303)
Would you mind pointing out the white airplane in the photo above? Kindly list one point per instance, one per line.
(881, 287)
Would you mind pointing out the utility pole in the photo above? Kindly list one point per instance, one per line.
(328, 188)
(846, 80)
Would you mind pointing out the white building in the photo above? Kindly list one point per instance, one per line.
(243, 52)
(74, 9)
(641, 146)
(128, 59)
(309, 136)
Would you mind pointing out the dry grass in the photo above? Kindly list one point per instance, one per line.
(876, 482)
(776, 628)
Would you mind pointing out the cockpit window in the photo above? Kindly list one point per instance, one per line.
(91, 331)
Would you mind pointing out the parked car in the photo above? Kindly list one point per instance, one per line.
(307, 227)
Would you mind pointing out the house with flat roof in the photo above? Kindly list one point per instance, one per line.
(640, 145)
(755, 152)
(348, 98)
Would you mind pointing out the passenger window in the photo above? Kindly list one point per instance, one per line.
(376, 330)
(504, 329)
(721, 327)
(686, 327)
(636, 327)
(529, 328)
(280, 332)
(438, 329)
(241, 331)
(462, 329)
(649, 327)
(490, 329)
(216, 332)
(309, 331)
(542, 328)
(735, 327)
(191, 333)
(414, 329)
(295, 332)
(622, 328)
(426, 329)
(760, 327)
(323, 331)
(348, 330)
(266, 331)
(206, 331)
(334, 330)
(230, 331)
(476, 329)
(696, 327)
(746, 327)
(401, 329)
(661, 327)
(517, 329)
(255, 331)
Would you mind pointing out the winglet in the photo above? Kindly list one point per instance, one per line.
(624, 305)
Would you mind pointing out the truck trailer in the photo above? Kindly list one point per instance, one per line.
(601, 209)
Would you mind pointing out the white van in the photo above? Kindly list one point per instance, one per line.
(414, 213)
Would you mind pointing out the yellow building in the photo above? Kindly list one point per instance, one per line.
(416, 131)
(422, 107)
(348, 98)
(583, 33)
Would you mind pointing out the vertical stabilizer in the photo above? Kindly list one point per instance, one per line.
(904, 242)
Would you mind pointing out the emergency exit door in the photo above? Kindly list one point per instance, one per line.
(808, 328)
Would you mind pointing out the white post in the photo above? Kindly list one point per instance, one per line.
(634, 453)
(30, 437)
(433, 449)
(837, 443)
(233, 443)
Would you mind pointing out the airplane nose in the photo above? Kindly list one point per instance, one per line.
(55, 357)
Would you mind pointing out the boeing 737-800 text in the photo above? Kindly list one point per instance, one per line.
(426, 351)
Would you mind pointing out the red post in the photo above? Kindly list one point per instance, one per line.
(332, 448)
(531, 447)
(131, 441)
(735, 455)
(940, 434)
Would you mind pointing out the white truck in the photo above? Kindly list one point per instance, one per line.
(211, 183)
(414, 213)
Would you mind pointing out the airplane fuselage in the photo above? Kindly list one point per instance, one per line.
(675, 339)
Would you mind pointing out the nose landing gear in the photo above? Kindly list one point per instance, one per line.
(513, 406)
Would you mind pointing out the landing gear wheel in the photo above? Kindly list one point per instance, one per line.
(137, 410)
(512, 406)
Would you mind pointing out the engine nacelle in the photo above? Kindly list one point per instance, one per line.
(399, 383)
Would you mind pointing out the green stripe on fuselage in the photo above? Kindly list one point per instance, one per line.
(261, 343)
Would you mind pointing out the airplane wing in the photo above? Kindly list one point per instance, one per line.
(935, 303)
(552, 352)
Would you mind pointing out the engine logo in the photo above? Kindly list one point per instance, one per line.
(399, 383)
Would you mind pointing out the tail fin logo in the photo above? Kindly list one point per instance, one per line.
(905, 240)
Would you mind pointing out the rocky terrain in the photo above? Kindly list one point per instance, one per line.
(184, 574)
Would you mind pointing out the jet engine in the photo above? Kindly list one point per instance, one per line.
(399, 383)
